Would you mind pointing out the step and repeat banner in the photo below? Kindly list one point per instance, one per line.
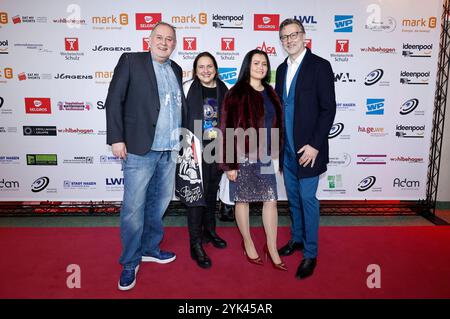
(57, 59)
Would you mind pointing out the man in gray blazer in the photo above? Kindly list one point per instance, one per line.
(144, 110)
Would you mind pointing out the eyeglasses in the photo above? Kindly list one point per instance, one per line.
(292, 36)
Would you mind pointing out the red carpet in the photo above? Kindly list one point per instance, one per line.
(414, 261)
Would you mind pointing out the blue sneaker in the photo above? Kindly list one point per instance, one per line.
(164, 257)
(128, 278)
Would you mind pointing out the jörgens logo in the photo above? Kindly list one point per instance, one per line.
(63, 76)
(266, 22)
(101, 48)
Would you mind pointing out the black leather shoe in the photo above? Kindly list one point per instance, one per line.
(212, 237)
(289, 248)
(200, 256)
(306, 268)
(226, 212)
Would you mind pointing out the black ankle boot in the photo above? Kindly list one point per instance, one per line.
(211, 236)
(226, 212)
(200, 256)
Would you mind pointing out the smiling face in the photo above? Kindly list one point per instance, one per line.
(162, 42)
(258, 67)
(294, 47)
(206, 71)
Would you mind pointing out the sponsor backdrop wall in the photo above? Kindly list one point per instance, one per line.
(57, 59)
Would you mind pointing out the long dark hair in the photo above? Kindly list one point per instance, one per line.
(200, 55)
(244, 74)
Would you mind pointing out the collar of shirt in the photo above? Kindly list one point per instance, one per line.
(165, 63)
(298, 60)
(292, 69)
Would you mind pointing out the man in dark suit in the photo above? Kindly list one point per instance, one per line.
(144, 110)
(305, 84)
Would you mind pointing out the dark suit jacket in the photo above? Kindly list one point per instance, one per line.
(315, 108)
(132, 105)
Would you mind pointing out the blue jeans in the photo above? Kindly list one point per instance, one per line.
(148, 189)
(303, 204)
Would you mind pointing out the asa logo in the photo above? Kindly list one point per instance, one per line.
(271, 51)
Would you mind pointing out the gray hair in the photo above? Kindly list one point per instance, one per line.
(291, 21)
(166, 24)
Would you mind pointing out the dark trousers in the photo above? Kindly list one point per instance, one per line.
(203, 219)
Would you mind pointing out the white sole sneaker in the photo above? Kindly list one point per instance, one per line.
(123, 288)
(158, 261)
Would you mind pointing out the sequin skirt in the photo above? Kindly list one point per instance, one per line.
(256, 182)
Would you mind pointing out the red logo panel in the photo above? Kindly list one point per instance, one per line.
(190, 43)
(71, 44)
(266, 22)
(342, 46)
(227, 44)
(147, 21)
(40, 105)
